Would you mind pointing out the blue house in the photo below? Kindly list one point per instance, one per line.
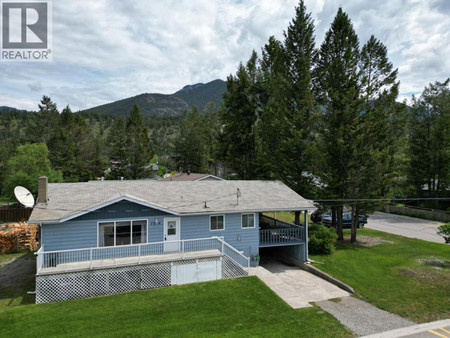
(115, 236)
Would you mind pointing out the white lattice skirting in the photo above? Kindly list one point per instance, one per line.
(91, 283)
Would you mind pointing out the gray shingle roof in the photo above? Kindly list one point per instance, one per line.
(67, 200)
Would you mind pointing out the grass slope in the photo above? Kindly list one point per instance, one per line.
(391, 276)
(231, 308)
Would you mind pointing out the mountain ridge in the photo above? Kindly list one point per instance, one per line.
(198, 95)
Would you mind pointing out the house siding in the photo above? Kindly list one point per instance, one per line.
(81, 232)
(246, 240)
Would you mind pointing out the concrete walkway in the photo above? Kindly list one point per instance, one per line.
(295, 286)
(432, 329)
(363, 318)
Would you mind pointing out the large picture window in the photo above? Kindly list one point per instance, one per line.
(217, 222)
(122, 233)
(248, 220)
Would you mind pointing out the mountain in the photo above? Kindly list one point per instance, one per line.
(198, 95)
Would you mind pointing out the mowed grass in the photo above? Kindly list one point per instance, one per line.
(227, 308)
(391, 275)
(287, 216)
(16, 278)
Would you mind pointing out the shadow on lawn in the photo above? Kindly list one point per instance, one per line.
(16, 278)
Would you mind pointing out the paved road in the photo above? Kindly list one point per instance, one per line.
(436, 329)
(405, 226)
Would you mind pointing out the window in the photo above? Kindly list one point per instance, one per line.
(122, 233)
(217, 222)
(248, 220)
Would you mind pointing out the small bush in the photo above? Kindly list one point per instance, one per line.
(322, 240)
(444, 231)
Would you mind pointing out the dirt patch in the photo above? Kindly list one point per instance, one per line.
(367, 241)
(434, 262)
(16, 271)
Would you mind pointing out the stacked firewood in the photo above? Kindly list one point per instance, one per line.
(17, 237)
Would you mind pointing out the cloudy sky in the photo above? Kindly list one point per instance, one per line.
(106, 50)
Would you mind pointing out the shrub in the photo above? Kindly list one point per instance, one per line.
(322, 240)
(444, 231)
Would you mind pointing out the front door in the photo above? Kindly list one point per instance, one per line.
(171, 234)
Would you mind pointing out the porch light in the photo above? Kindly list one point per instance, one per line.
(156, 221)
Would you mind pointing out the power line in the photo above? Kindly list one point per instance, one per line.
(384, 199)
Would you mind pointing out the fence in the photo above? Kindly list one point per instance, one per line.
(432, 214)
(15, 215)
(89, 258)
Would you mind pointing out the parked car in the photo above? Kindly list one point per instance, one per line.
(316, 216)
(346, 220)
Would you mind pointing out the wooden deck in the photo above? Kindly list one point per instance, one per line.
(127, 261)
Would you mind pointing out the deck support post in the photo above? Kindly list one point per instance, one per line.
(90, 259)
(139, 254)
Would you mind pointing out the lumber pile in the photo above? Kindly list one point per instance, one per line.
(18, 236)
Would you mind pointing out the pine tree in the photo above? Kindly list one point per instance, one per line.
(238, 135)
(117, 141)
(139, 153)
(336, 82)
(429, 141)
(44, 123)
(300, 51)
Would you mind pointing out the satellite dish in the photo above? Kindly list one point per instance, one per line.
(24, 196)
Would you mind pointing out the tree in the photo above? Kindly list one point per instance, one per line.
(237, 140)
(190, 145)
(337, 89)
(118, 155)
(25, 167)
(375, 143)
(43, 125)
(300, 51)
(70, 147)
(139, 153)
(429, 141)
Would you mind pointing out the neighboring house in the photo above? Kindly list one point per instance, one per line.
(191, 177)
(118, 236)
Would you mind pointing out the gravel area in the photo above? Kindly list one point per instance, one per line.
(361, 317)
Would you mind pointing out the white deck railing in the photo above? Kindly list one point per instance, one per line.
(67, 260)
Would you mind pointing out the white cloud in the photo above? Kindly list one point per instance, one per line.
(108, 50)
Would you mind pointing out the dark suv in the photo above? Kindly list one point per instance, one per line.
(346, 220)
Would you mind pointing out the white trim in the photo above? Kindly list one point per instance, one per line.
(254, 220)
(209, 176)
(122, 198)
(216, 215)
(131, 231)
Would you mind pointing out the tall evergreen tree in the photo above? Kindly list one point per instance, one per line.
(139, 153)
(69, 146)
(45, 122)
(117, 140)
(371, 166)
(337, 88)
(190, 145)
(429, 140)
(238, 135)
(299, 49)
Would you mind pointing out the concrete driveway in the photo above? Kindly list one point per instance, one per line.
(405, 226)
(295, 286)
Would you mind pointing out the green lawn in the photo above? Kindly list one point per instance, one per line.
(13, 291)
(391, 276)
(287, 216)
(240, 307)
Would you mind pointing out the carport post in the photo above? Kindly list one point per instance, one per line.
(306, 235)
